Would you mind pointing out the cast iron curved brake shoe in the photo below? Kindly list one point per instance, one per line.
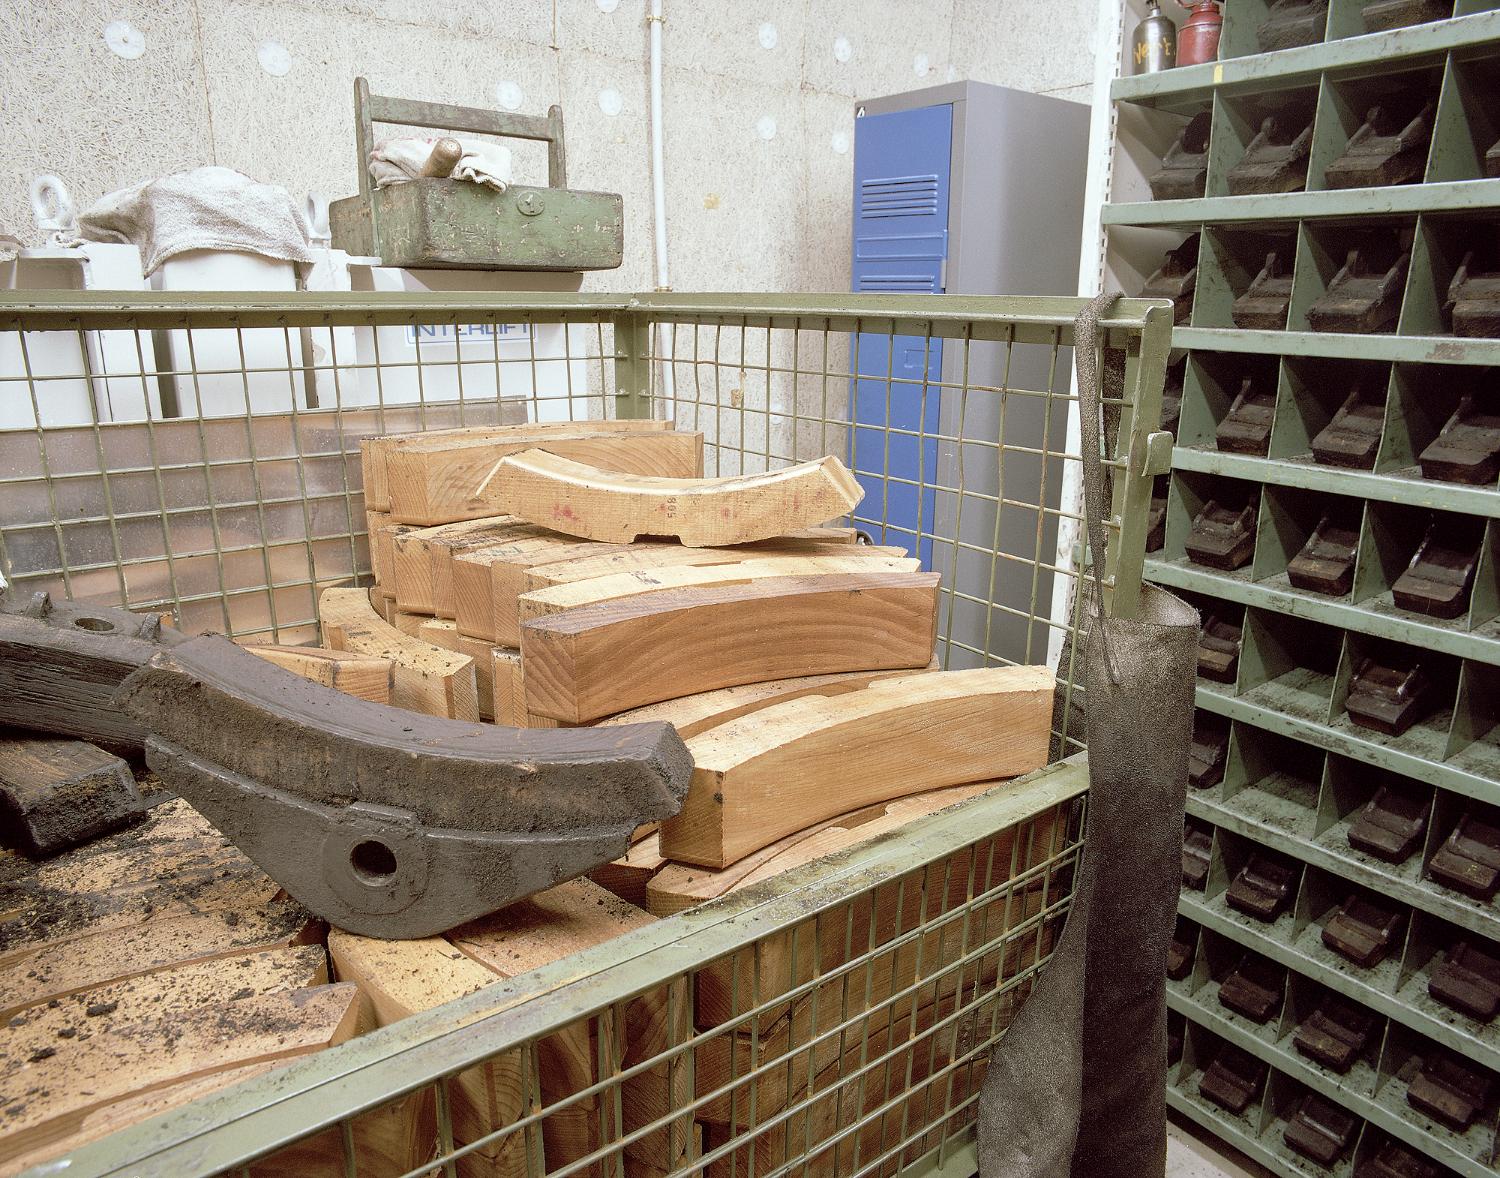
(384, 822)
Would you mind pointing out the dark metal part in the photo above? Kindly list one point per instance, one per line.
(1254, 989)
(1184, 169)
(1352, 438)
(1361, 300)
(1390, 825)
(1450, 1089)
(1326, 562)
(1397, 14)
(1396, 1159)
(1233, 1080)
(1440, 577)
(1176, 279)
(1221, 537)
(1335, 1033)
(1208, 752)
(1197, 849)
(1180, 955)
(1473, 304)
(1467, 449)
(1492, 160)
(1468, 979)
(1469, 859)
(1265, 302)
(1292, 23)
(1320, 1130)
(1276, 160)
(61, 663)
(1389, 699)
(386, 822)
(1263, 887)
(1246, 428)
(1363, 931)
(1218, 649)
(1389, 148)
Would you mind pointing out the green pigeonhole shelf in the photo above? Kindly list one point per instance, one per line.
(1298, 771)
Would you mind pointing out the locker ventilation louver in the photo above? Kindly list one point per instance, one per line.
(898, 196)
(897, 282)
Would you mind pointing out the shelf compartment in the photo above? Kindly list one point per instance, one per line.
(1208, 751)
(1291, 24)
(1308, 543)
(1439, 579)
(1230, 263)
(1145, 140)
(1388, 123)
(1182, 173)
(1346, 57)
(1211, 523)
(1338, 1036)
(1212, 384)
(1451, 1100)
(1467, 979)
(1175, 279)
(1331, 412)
(1264, 144)
(1289, 664)
(1467, 860)
(1355, 280)
(1445, 245)
(1468, 122)
(1380, 16)
(1398, 695)
(1319, 1129)
(1425, 402)
(1270, 787)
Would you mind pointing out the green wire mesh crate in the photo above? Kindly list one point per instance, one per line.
(193, 453)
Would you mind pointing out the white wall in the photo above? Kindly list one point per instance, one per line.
(746, 212)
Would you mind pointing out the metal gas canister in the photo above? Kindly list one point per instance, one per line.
(1154, 45)
(1198, 41)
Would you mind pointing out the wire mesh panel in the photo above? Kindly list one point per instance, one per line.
(833, 1020)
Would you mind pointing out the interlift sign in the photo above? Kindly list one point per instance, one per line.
(453, 335)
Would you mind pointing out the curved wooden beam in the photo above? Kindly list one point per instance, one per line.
(425, 678)
(765, 776)
(616, 507)
(555, 599)
(602, 659)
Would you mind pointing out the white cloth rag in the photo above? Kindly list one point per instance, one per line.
(208, 208)
(399, 161)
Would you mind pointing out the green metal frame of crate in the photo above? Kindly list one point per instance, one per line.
(251, 563)
(1297, 768)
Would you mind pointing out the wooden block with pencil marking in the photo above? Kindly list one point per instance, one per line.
(692, 714)
(555, 599)
(361, 675)
(629, 875)
(601, 502)
(487, 580)
(374, 451)
(764, 776)
(424, 558)
(439, 486)
(602, 659)
(426, 678)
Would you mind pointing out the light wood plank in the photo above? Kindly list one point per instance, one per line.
(400, 978)
(601, 502)
(88, 1074)
(556, 599)
(547, 927)
(374, 451)
(692, 714)
(426, 678)
(629, 875)
(424, 559)
(603, 659)
(764, 776)
(360, 675)
(438, 486)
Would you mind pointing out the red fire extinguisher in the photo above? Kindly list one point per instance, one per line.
(1198, 36)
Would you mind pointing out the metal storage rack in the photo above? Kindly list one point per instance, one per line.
(863, 1061)
(1297, 771)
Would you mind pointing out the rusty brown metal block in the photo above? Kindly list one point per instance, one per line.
(1380, 15)
(1361, 299)
(1176, 279)
(1222, 537)
(1450, 1089)
(1389, 698)
(1218, 649)
(1352, 438)
(1468, 980)
(1440, 577)
(1472, 307)
(1184, 169)
(1276, 160)
(1265, 302)
(1209, 750)
(1390, 147)
(1335, 1033)
(1469, 859)
(1363, 931)
(1325, 563)
(1291, 23)
(1320, 1130)
(1262, 888)
(1467, 449)
(1254, 988)
(1197, 850)
(1391, 825)
(1233, 1080)
(1246, 428)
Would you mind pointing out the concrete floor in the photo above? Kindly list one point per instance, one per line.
(1191, 1153)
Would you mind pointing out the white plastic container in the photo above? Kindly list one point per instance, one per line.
(536, 365)
(78, 377)
(223, 371)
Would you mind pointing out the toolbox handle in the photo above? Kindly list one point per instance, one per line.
(370, 109)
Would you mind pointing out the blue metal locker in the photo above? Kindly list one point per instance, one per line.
(902, 163)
